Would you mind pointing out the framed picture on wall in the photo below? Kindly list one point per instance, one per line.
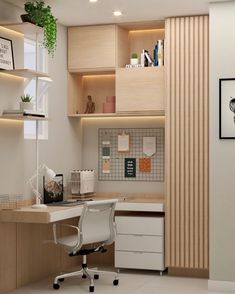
(227, 108)
(6, 54)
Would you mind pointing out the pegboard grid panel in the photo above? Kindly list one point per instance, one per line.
(117, 159)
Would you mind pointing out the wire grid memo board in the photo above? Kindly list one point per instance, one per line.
(117, 159)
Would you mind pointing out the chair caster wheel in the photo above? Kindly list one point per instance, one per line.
(115, 282)
(61, 280)
(91, 289)
(56, 286)
(84, 276)
(96, 277)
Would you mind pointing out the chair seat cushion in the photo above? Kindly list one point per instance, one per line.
(69, 241)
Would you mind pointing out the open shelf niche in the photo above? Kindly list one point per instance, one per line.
(97, 82)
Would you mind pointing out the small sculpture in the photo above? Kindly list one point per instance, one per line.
(90, 106)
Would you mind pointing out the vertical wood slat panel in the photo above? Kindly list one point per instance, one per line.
(187, 142)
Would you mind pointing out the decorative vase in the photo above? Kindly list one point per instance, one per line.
(27, 106)
(134, 61)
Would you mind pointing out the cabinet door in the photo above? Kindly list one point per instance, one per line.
(140, 90)
(91, 47)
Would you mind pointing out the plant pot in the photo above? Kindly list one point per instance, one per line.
(134, 61)
(26, 18)
(27, 106)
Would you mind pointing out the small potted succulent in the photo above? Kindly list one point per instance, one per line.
(40, 14)
(26, 103)
(134, 59)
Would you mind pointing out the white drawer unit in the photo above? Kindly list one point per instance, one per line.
(139, 242)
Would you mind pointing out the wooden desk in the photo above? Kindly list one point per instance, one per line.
(25, 258)
(59, 213)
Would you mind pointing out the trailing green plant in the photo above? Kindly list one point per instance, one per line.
(26, 98)
(41, 15)
(134, 55)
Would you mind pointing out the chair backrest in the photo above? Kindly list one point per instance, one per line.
(97, 222)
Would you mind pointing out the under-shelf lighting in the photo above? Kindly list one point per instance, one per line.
(93, 1)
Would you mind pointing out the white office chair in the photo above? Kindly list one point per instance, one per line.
(96, 227)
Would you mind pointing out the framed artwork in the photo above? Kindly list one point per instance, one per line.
(6, 54)
(227, 108)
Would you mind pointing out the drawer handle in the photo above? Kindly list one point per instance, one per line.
(138, 252)
(138, 235)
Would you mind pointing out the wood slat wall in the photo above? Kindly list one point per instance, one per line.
(187, 47)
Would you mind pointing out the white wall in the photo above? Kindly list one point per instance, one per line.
(62, 150)
(90, 152)
(11, 133)
(222, 152)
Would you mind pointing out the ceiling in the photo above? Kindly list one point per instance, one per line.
(82, 12)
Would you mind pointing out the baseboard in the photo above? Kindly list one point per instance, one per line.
(188, 272)
(221, 286)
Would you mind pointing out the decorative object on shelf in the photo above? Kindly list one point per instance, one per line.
(41, 15)
(134, 59)
(6, 54)
(49, 174)
(90, 106)
(109, 105)
(26, 102)
(227, 108)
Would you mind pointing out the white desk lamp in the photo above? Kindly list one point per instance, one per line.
(49, 175)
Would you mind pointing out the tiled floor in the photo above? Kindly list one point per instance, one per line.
(131, 282)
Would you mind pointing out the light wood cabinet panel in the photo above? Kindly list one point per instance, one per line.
(92, 47)
(140, 89)
(8, 262)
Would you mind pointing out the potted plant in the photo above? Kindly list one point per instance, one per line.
(134, 59)
(26, 102)
(41, 15)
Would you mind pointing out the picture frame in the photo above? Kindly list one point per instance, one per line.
(227, 108)
(6, 54)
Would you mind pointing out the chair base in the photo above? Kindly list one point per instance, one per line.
(85, 272)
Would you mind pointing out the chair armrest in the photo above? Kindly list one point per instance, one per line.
(63, 225)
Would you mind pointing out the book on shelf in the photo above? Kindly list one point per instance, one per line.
(159, 53)
(25, 112)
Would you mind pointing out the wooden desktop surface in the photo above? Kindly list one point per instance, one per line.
(57, 213)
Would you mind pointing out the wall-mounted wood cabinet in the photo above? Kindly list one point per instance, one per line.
(97, 56)
(140, 90)
(96, 47)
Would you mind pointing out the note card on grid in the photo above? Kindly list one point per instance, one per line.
(123, 143)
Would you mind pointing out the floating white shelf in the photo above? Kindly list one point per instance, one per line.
(23, 118)
(25, 73)
(28, 29)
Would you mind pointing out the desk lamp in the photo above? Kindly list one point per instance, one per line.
(49, 175)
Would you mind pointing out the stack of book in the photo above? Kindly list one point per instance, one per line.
(25, 112)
